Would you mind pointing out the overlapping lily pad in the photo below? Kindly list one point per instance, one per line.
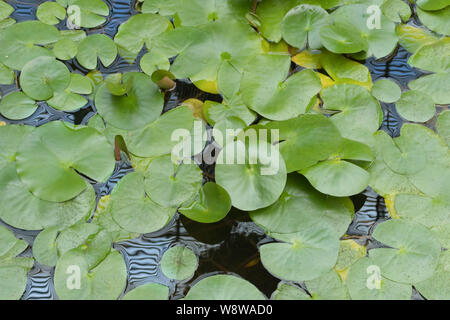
(179, 263)
(17, 105)
(148, 291)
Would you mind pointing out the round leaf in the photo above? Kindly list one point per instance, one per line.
(148, 291)
(416, 106)
(386, 90)
(94, 47)
(179, 263)
(17, 105)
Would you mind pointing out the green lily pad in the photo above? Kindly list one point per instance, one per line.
(327, 287)
(67, 101)
(8, 240)
(80, 84)
(302, 24)
(211, 45)
(116, 84)
(350, 32)
(416, 106)
(17, 105)
(413, 254)
(25, 211)
(106, 281)
(65, 49)
(139, 30)
(81, 149)
(306, 254)
(163, 7)
(349, 252)
(85, 13)
(142, 105)
(43, 76)
(148, 291)
(432, 4)
(50, 13)
(7, 76)
(21, 43)
(224, 287)
(438, 286)
(212, 204)
(179, 263)
(300, 204)
(443, 126)
(154, 61)
(169, 184)
(337, 178)
(433, 57)
(412, 38)
(436, 85)
(11, 137)
(396, 10)
(438, 21)
(287, 291)
(258, 181)
(360, 114)
(44, 247)
(5, 10)
(96, 47)
(276, 97)
(133, 210)
(386, 90)
(364, 283)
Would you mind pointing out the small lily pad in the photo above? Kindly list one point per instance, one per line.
(433, 57)
(416, 106)
(96, 47)
(43, 76)
(287, 291)
(436, 85)
(50, 13)
(83, 150)
(438, 20)
(413, 254)
(386, 90)
(212, 204)
(179, 263)
(86, 13)
(65, 49)
(17, 105)
(438, 286)
(148, 291)
(224, 287)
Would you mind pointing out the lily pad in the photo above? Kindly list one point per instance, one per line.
(255, 183)
(443, 126)
(412, 38)
(224, 287)
(5, 10)
(148, 291)
(438, 286)
(306, 254)
(432, 5)
(302, 24)
(433, 57)
(82, 150)
(133, 210)
(43, 76)
(21, 43)
(396, 10)
(287, 291)
(11, 137)
(438, 21)
(212, 204)
(7, 76)
(436, 85)
(86, 13)
(106, 281)
(65, 49)
(179, 263)
(17, 105)
(413, 254)
(364, 282)
(169, 184)
(327, 287)
(386, 90)
(300, 204)
(139, 107)
(50, 13)
(276, 97)
(416, 106)
(96, 47)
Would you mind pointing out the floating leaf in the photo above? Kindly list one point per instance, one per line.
(433, 57)
(443, 126)
(365, 283)
(386, 90)
(224, 287)
(133, 210)
(5, 10)
(67, 101)
(139, 107)
(43, 76)
(276, 97)
(301, 26)
(11, 138)
(106, 281)
(412, 38)
(432, 4)
(85, 13)
(6, 75)
(212, 205)
(437, 287)
(17, 105)
(396, 10)
(287, 291)
(179, 263)
(306, 254)
(300, 204)
(413, 254)
(50, 13)
(139, 30)
(96, 47)
(416, 106)
(65, 49)
(154, 61)
(148, 291)
(78, 149)
(20, 43)
(327, 287)
(169, 184)
(438, 21)
(255, 183)
(163, 7)
(436, 85)
(349, 252)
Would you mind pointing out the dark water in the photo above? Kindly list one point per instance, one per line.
(228, 246)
